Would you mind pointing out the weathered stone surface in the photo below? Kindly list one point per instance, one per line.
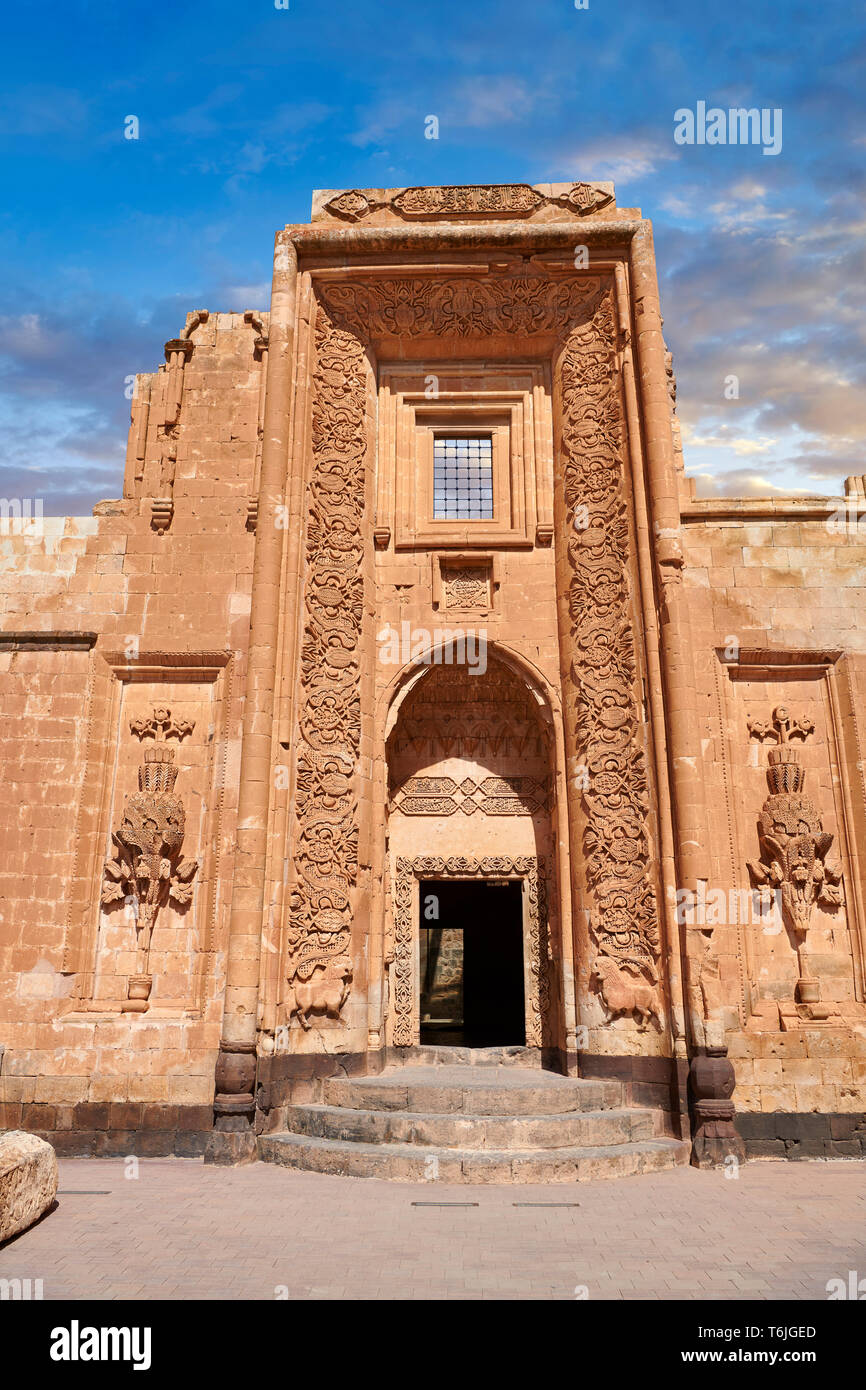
(28, 1181)
(472, 1124)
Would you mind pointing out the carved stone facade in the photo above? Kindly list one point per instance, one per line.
(345, 688)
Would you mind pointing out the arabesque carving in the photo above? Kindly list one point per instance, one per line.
(606, 714)
(406, 1022)
(465, 306)
(470, 200)
(147, 868)
(325, 842)
(466, 586)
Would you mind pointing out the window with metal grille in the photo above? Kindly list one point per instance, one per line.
(463, 478)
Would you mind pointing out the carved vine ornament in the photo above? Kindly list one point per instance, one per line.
(147, 868)
(605, 715)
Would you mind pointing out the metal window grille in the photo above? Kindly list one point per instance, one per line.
(463, 478)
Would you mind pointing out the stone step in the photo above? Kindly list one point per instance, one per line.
(574, 1129)
(409, 1163)
(436, 1055)
(465, 1090)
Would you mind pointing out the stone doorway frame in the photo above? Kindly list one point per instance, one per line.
(531, 871)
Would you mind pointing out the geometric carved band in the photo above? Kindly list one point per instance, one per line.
(494, 796)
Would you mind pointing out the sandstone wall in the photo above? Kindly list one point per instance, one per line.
(101, 619)
(778, 603)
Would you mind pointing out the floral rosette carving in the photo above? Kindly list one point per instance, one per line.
(616, 839)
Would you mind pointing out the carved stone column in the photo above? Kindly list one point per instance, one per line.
(711, 1082)
(683, 725)
(616, 922)
(233, 1138)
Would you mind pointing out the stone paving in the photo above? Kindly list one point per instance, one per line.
(180, 1230)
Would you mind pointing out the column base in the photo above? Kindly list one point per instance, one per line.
(232, 1141)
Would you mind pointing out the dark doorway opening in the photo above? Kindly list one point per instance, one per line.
(471, 949)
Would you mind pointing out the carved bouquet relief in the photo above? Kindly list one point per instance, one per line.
(147, 868)
(793, 842)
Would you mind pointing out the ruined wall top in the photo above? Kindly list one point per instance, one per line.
(540, 202)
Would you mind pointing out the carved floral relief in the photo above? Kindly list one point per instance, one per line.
(794, 844)
(606, 714)
(147, 868)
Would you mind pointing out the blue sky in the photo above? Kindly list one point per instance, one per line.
(105, 243)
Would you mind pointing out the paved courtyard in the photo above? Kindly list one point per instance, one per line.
(180, 1230)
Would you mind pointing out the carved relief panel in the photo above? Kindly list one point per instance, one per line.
(788, 908)
(145, 896)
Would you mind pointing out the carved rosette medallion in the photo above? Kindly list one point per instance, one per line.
(606, 713)
(466, 586)
(325, 842)
(406, 1023)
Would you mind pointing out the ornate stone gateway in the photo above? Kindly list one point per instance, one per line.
(407, 585)
(531, 873)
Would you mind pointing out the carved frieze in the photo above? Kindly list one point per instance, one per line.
(606, 714)
(469, 200)
(494, 796)
(462, 307)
